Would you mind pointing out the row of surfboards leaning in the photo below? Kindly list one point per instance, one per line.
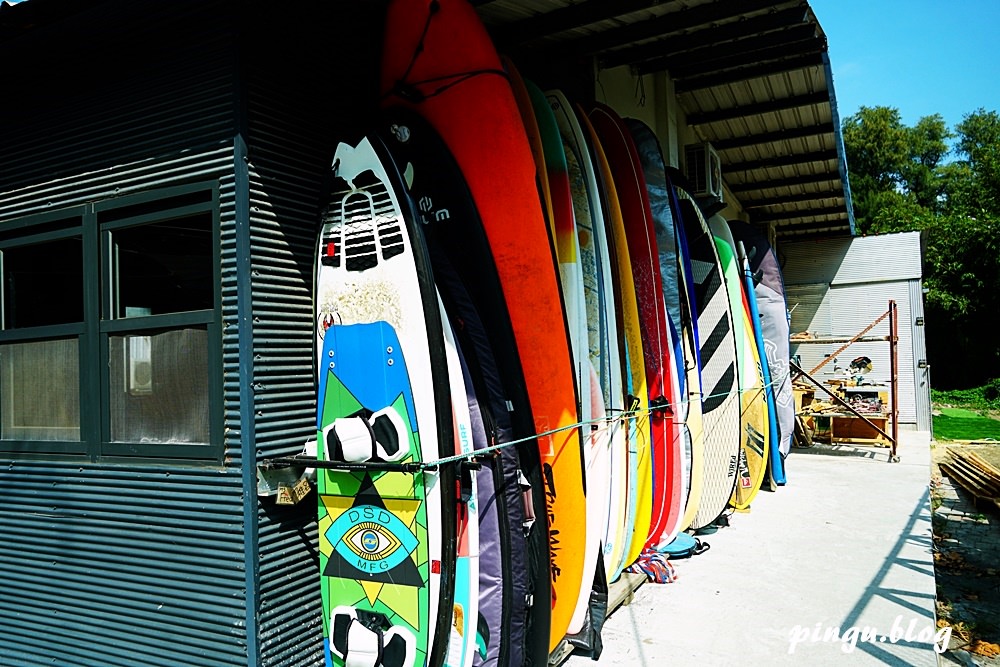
(538, 364)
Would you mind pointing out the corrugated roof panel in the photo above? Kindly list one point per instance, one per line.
(723, 57)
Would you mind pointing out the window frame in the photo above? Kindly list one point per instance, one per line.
(100, 322)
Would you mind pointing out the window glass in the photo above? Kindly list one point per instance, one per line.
(107, 310)
(40, 390)
(42, 283)
(164, 267)
(159, 386)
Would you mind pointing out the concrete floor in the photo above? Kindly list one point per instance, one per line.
(845, 545)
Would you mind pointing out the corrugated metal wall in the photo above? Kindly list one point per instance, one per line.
(103, 565)
(921, 374)
(881, 258)
(119, 564)
(810, 308)
(849, 260)
(300, 103)
(858, 306)
(838, 287)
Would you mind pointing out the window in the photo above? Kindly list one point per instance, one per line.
(110, 336)
(41, 391)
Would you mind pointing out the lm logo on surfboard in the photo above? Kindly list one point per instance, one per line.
(426, 205)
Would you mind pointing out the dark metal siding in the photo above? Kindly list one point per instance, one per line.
(300, 103)
(126, 564)
(119, 83)
(105, 566)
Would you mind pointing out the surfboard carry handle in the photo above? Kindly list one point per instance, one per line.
(660, 404)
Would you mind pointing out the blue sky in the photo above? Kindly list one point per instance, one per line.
(920, 56)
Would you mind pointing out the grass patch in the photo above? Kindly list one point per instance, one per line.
(962, 424)
(982, 399)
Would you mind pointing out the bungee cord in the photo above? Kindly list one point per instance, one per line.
(409, 90)
(622, 416)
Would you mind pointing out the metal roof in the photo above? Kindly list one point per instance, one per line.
(752, 76)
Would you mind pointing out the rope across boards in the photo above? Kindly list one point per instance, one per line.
(378, 463)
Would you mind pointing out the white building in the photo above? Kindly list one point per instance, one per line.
(837, 287)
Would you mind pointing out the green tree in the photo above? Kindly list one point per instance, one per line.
(901, 181)
(877, 147)
(979, 143)
(895, 170)
(927, 147)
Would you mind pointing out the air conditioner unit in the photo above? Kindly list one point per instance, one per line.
(704, 171)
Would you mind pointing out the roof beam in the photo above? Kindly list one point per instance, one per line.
(714, 36)
(792, 230)
(759, 108)
(781, 161)
(805, 179)
(703, 15)
(772, 137)
(795, 198)
(785, 42)
(569, 17)
(753, 71)
(804, 213)
(671, 42)
(774, 51)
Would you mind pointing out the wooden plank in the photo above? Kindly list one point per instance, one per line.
(622, 591)
(989, 469)
(560, 654)
(966, 482)
(978, 468)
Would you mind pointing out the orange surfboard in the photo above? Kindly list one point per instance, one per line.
(439, 60)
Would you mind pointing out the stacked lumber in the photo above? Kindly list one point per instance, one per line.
(973, 473)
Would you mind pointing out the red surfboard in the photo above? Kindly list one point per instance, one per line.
(439, 60)
(626, 168)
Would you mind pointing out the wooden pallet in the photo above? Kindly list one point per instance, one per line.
(974, 474)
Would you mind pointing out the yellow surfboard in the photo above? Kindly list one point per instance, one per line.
(636, 426)
(753, 400)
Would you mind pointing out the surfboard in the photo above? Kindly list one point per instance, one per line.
(753, 400)
(465, 604)
(563, 227)
(387, 537)
(661, 387)
(439, 60)
(774, 332)
(565, 182)
(492, 595)
(522, 97)
(687, 414)
(639, 470)
(516, 569)
(692, 356)
(605, 452)
(717, 358)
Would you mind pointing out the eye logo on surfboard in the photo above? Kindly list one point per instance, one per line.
(371, 542)
(371, 538)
